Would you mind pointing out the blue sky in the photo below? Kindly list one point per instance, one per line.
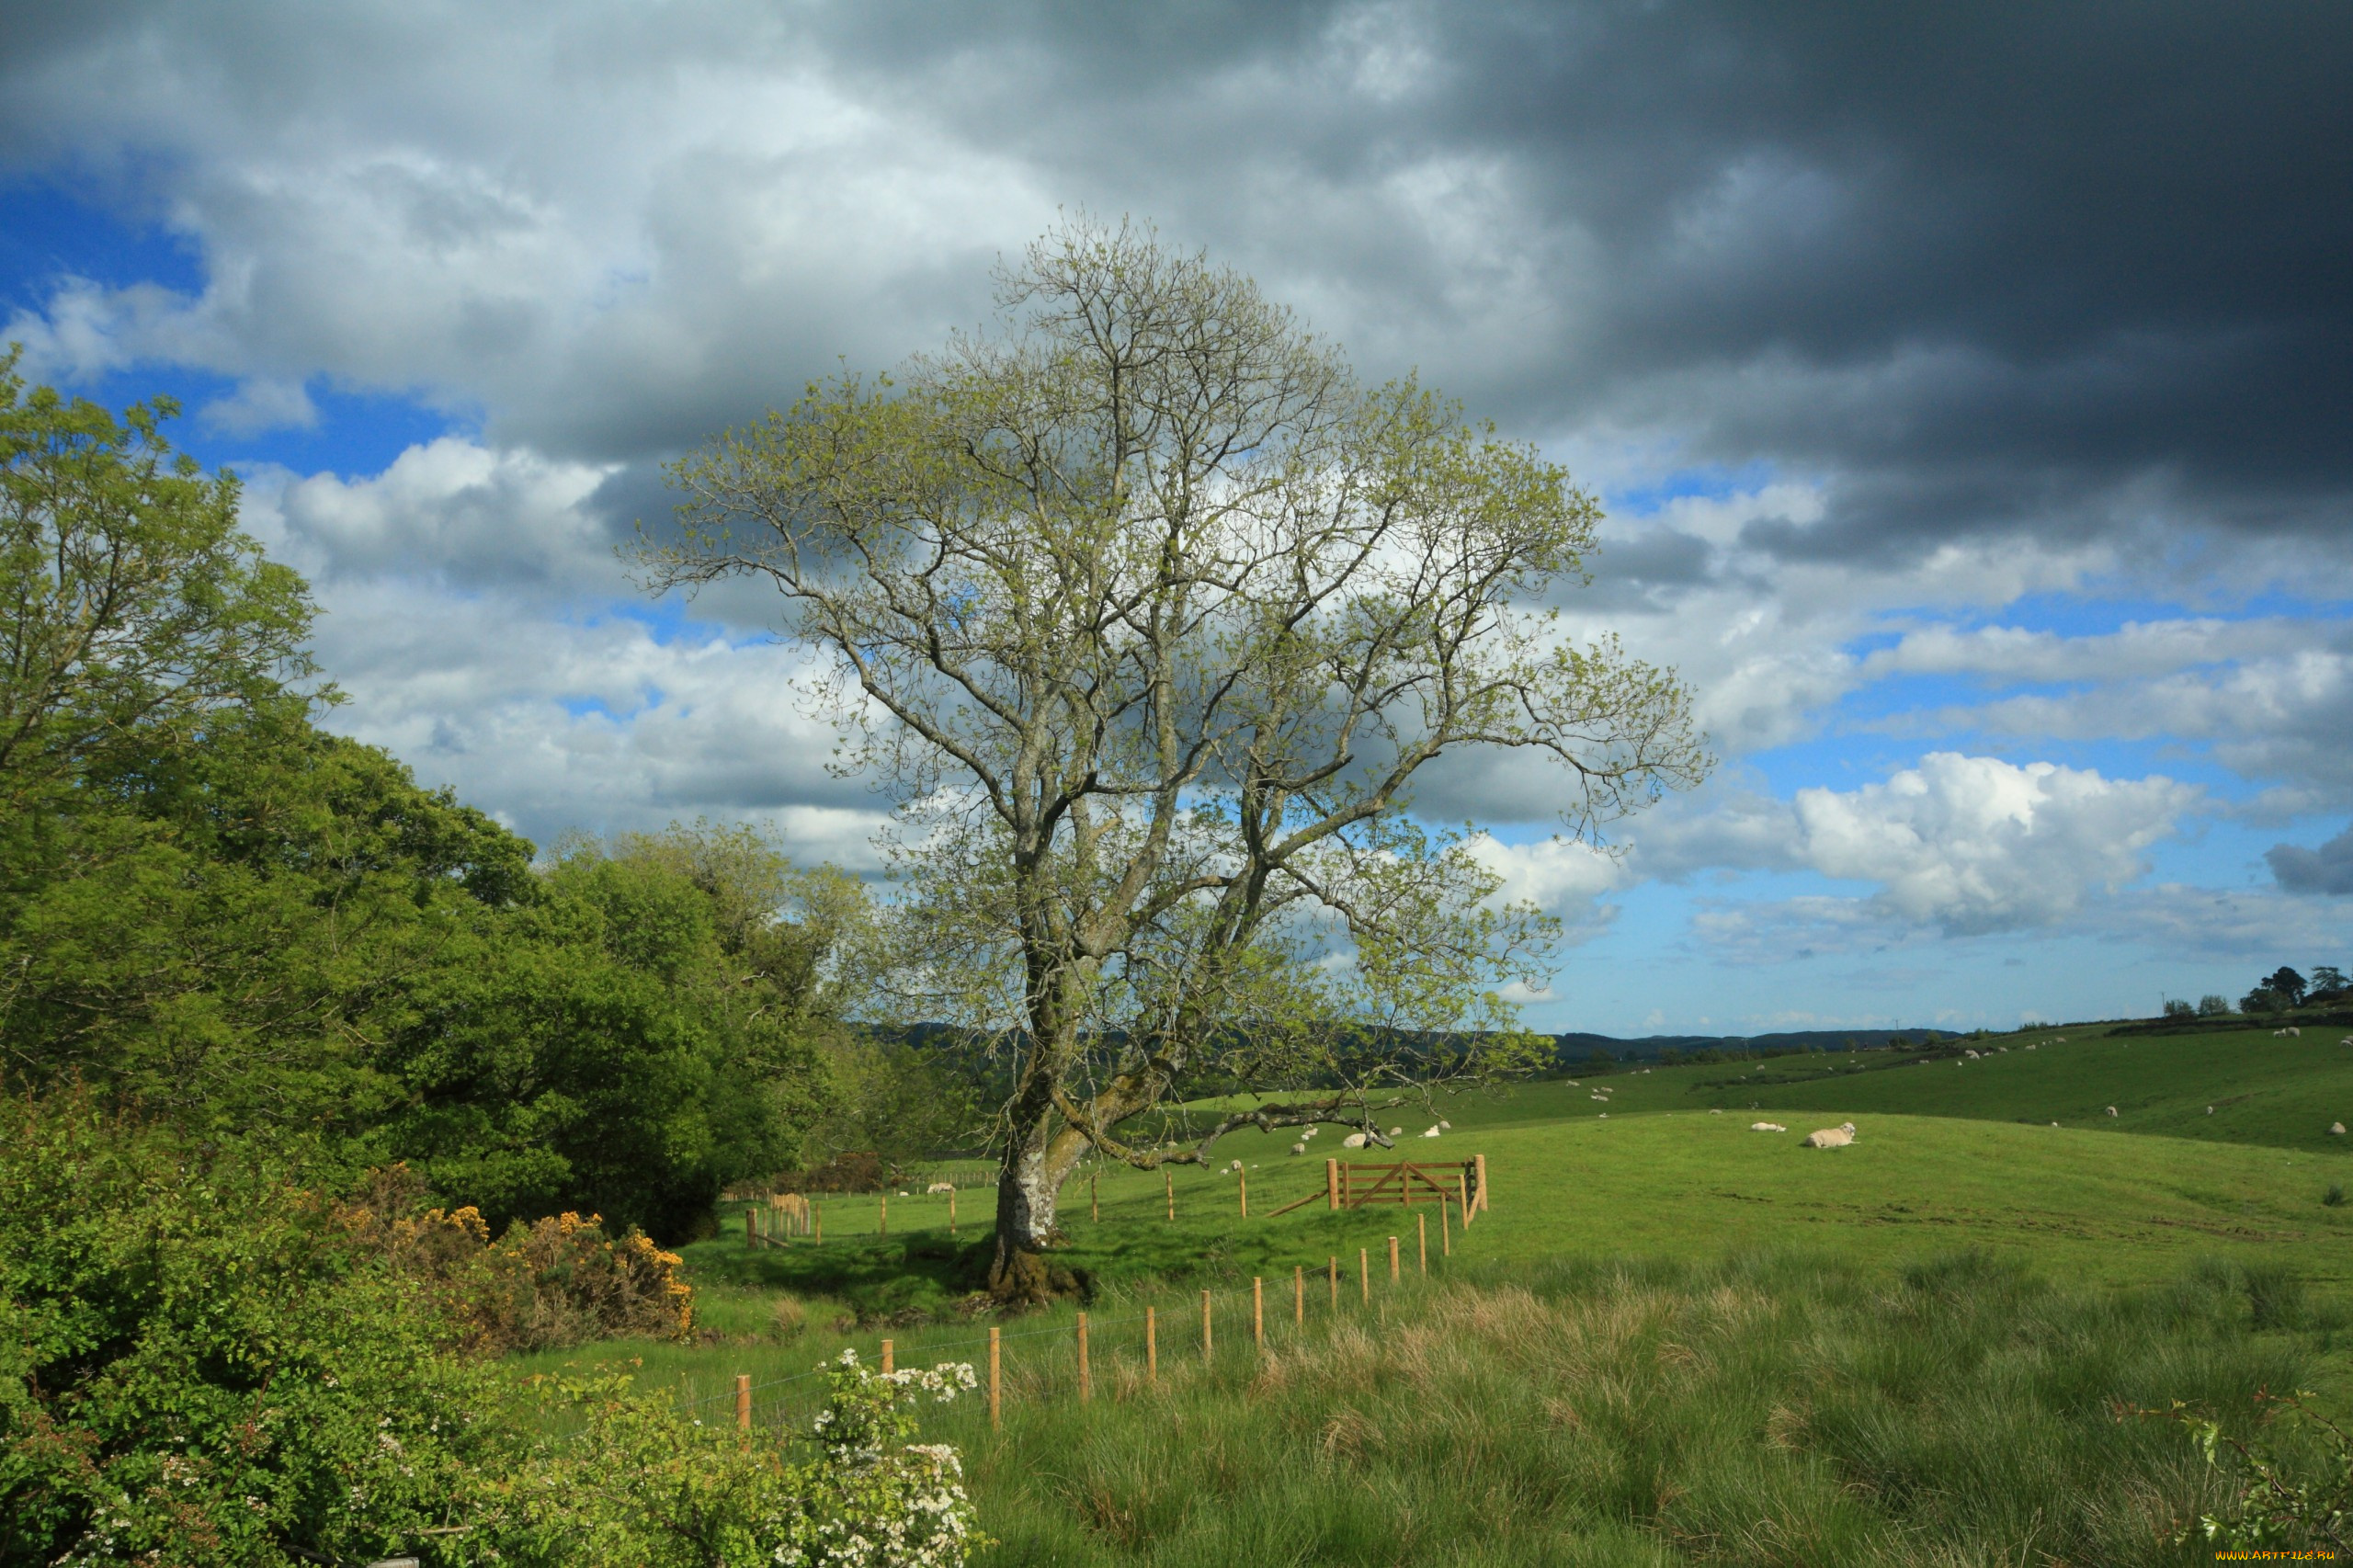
(1995, 508)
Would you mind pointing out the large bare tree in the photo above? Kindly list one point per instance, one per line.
(1150, 614)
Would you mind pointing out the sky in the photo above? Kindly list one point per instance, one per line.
(1968, 389)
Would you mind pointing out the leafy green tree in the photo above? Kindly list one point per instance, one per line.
(1153, 615)
(2286, 984)
(133, 612)
(2211, 1005)
(628, 1043)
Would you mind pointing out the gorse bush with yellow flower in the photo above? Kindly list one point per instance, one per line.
(557, 1280)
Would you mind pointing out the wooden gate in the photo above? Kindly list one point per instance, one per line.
(1350, 1186)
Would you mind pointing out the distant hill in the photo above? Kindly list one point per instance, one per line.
(1573, 1048)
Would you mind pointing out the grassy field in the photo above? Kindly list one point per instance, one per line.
(1670, 1339)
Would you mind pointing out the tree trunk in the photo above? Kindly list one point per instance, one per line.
(1030, 1182)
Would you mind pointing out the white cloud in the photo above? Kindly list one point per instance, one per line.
(1974, 844)
(453, 512)
(261, 404)
(1560, 876)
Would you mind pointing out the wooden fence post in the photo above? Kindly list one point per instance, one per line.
(1168, 1180)
(1151, 1347)
(1421, 1239)
(1481, 1160)
(889, 1364)
(882, 1224)
(1332, 1185)
(1205, 1328)
(1298, 1296)
(1463, 1196)
(743, 1401)
(748, 1227)
(1445, 1230)
(1364, 1275)
(951, 1211)
(817, 1221)
(1094, 1196)
(1334, 1266)
(1258, 1314)
(1086, 1377)
(995, 1385)
(1245, 1192)
(1393, 1275)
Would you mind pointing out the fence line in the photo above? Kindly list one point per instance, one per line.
(1085, 1334)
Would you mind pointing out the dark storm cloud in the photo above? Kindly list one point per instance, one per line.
(2062, 269)
(1988, 268)
(2327, 870)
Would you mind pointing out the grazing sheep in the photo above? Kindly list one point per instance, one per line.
(1444, 1125)
(1828, 1138)
(1766, 1127)
(2336, 1129)
(2295, 1033)
(1353, 1140)
(1233, 1167)
(2111, 1110)
(2029, 1048)
(1605, 1115)
(938, 1187)
(1299, 1148)
(1429, 1132)
(1715, 1113)
(2209, 1111)
(1971, 1055)
(1309, 1133)
(1396, 1132)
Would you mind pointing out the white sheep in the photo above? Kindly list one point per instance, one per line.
(2031, 1047)
(1973, 1055)
(2209, 1111)
(1353, 1140)
(938, 1187)
(1444, 1125)
(1300, 1148)
(1827, 1138)
(1430, 1133)
(2111, 1110)
(1396, 1132)
(2295, 1033)
(1764, 1126)
(2336, 1129)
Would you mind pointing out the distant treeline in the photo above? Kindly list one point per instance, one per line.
(1590, 1052)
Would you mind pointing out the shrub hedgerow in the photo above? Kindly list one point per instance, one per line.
(197, 1371)
(205, 1365)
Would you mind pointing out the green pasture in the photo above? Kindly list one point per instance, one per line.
(1670, 1338)
(1660, 1164)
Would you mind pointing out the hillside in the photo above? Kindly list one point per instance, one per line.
(2282, 1093)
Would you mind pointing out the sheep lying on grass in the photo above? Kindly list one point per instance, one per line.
(1831, 1137)
(1764, 1126)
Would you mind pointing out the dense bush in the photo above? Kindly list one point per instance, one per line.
(201, 1368)
(557, 1280)
(203, 1364)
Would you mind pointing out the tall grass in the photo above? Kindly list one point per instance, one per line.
(1765, 1410)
